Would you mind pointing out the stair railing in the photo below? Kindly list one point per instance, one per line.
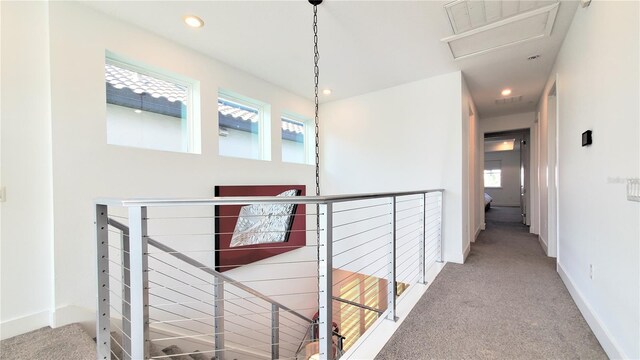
(159, 283)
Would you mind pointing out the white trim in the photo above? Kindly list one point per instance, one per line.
(23, 324)
(477, 233)
(467, 250)
(543, 244)
(71, 314)
(551, 9)
(604, 336)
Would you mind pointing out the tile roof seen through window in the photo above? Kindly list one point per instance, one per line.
(121, 78)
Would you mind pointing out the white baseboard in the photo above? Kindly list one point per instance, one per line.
(371, 343)
(599, 329)
(543, 243)
(467, 250)
(71, 314)
(23, 324)
(475, 237)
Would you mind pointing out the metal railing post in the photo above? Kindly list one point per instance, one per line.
(139, 282)
(218, 317)
(423, 241)
(391, 283)
(325, 281)
(440, 224)
(103, 328)
(275, 331)
(126, 294)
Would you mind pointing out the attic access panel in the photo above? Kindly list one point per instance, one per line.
(487, 28)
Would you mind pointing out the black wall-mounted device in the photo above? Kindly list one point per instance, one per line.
(586, 138)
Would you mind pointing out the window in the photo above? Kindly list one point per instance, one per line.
(492, 174)
(353, 321)
(147, 109)
(294, 140)
(243, 127)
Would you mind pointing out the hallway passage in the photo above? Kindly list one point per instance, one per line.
(505, 302)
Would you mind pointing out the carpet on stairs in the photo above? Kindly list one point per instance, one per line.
(68, 342)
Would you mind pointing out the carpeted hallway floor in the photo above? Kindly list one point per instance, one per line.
(506, 302)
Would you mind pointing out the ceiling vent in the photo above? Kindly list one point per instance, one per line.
(509, 100)
(483, 26)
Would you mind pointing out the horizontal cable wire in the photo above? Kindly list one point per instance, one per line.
(122, 331)
(383, 276)
(119, 264)
(360, 208)
(222, 216)
(407, 200)
(407, 225)
(368, 242)
(361, 220)
(409, 266)
(231, 233)
(408, 217)
(119, 313)
(117, 249)
(369, 253)
(361, 232)
(118, 296)
(224, 250)
(359, 270)
(118, 281)
(409, 208)
(120, 346)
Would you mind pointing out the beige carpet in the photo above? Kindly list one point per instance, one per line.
(69, 342)
(506, 302)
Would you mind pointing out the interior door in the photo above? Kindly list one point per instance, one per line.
(523, 188)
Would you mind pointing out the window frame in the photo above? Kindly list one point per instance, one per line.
(309, 133)
(264, 122)
(487, 172)
(191, 123)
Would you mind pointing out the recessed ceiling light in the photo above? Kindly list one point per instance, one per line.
(137, 111)
(506, 92)
(193, 21)
(326, 91)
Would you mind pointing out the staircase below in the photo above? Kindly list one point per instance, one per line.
(71, 342)
(68, 342)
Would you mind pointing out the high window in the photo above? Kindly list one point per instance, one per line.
(295, 144)
(149, 109)
(243, 126)
(492, 174)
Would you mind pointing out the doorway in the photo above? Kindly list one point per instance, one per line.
(506, 176)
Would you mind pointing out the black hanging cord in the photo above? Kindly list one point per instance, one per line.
(316, 71)
(316, 77)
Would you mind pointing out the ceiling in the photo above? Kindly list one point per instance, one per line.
(364, 45)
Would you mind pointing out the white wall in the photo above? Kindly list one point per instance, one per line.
(84, 167)
(27, 219)
(509, 193)
(598, 87)
(406, 137)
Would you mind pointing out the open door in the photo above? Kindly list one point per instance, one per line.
(523, 183)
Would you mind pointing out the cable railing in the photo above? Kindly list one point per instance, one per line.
(254, 277)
